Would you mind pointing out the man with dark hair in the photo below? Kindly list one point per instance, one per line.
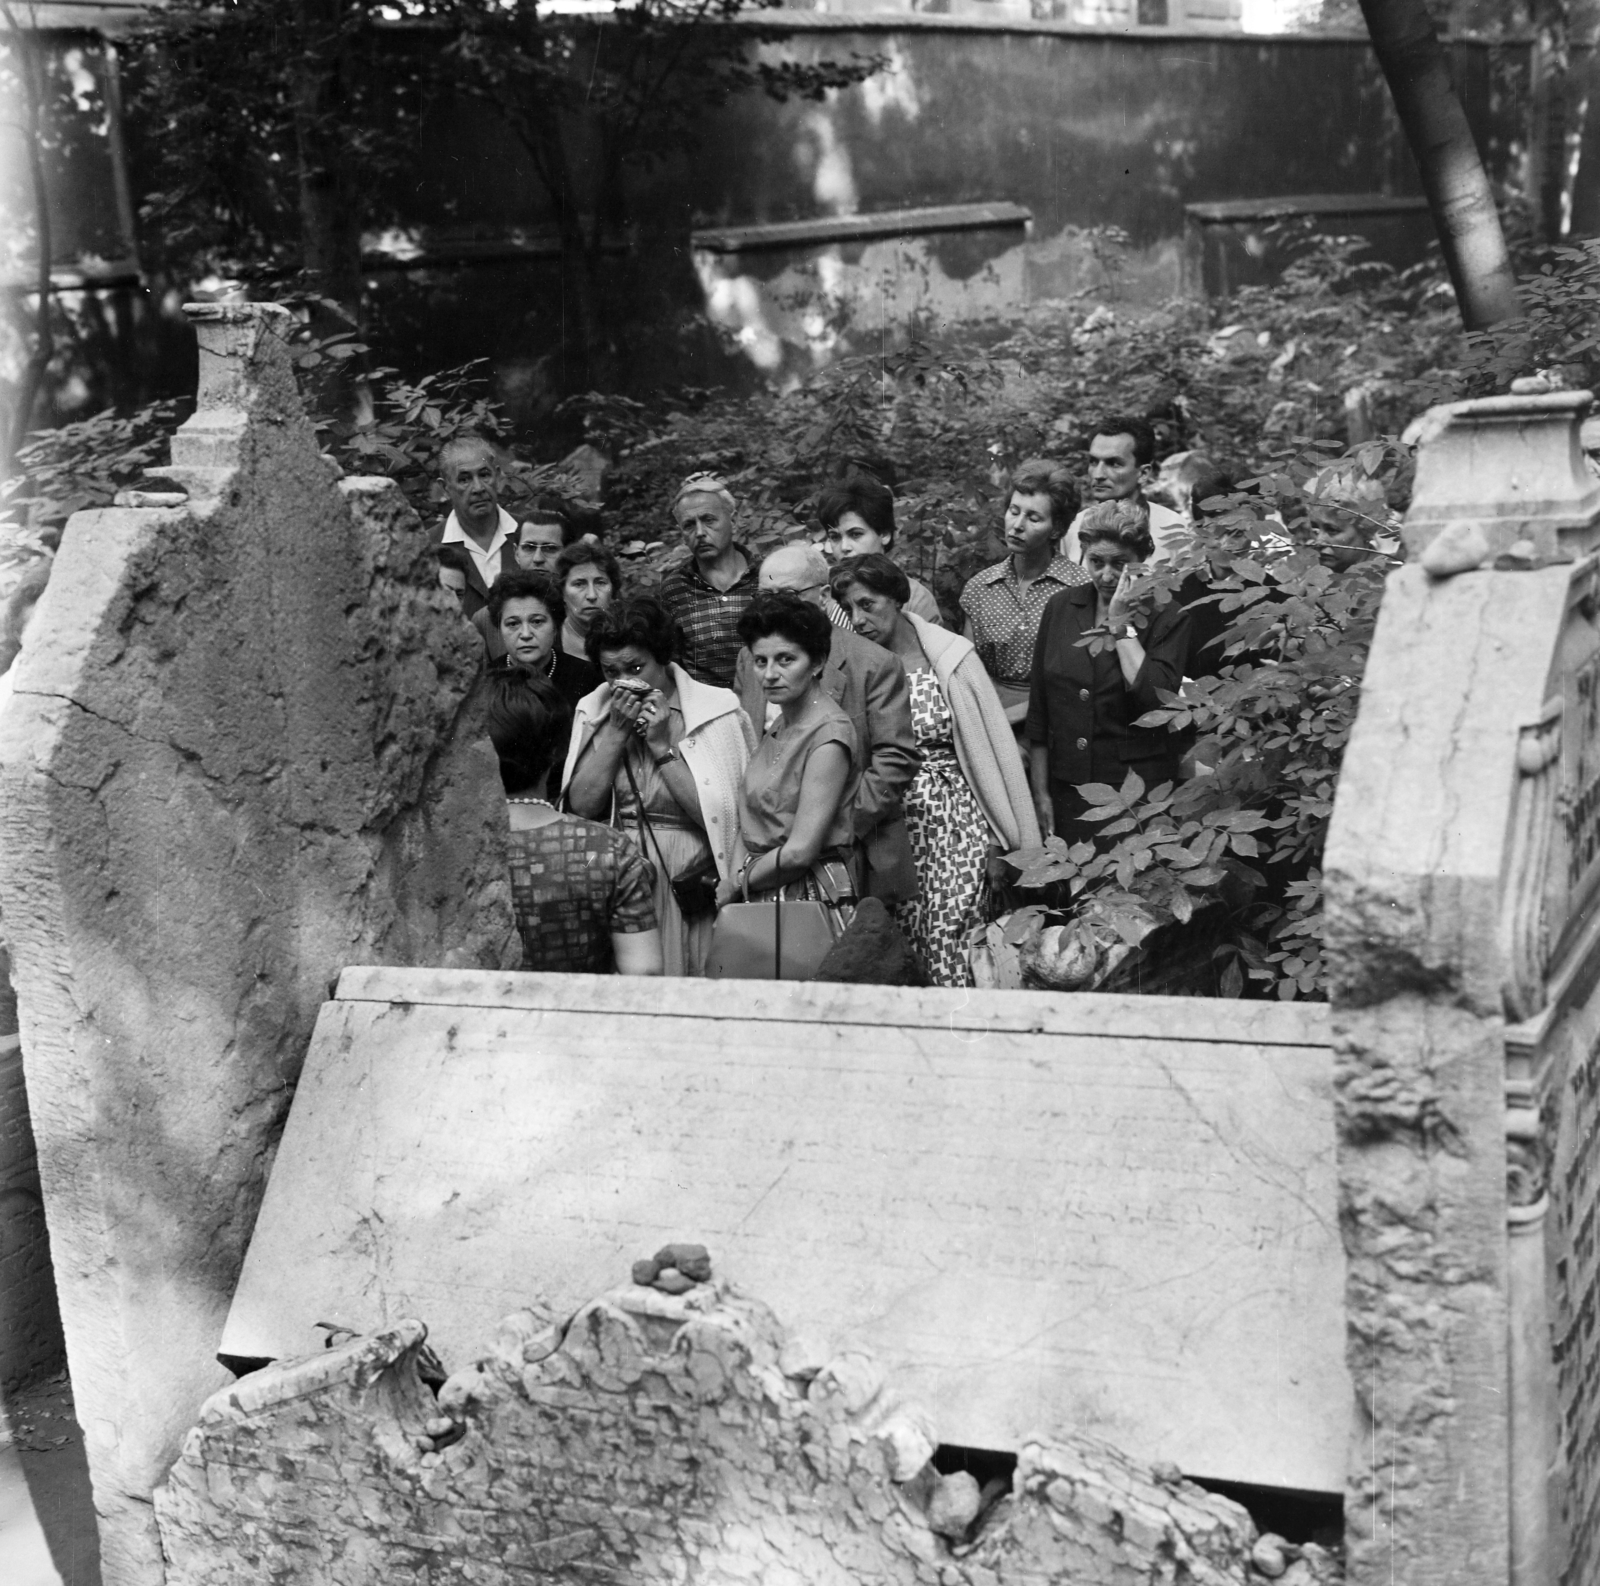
(1122, 462)
(711, 591)
(869, 685)
(478, 541)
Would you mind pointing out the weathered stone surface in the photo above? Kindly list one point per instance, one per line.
(1462, 871)
(1008, 1201)
(239, 754)
(658, 1443)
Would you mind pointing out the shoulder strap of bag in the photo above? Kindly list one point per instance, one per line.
(644, 820)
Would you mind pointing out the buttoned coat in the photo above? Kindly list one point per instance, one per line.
(1082, 708)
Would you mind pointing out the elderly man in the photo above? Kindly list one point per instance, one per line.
(478, 541)
(1122, 462)
(711, 591)
(870, 686)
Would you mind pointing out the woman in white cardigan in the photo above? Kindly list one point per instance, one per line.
(662, 756)
(971, 793)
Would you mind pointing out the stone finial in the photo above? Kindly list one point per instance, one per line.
(245, 372)
(1502, 481)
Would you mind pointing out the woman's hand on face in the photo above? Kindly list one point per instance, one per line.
(657, 719)
(626, 705)
(1120, 612)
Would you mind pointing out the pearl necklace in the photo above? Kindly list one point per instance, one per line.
(522, 799)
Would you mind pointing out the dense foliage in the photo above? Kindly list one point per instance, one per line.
(1272, 383)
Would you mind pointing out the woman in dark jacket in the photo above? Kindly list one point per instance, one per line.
(1082, 701)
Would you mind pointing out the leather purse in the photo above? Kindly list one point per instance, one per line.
(780, 939)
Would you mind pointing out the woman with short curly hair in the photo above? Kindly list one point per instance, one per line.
(1085, 700)
(1003, 603)
(662, 756)
(797, 805)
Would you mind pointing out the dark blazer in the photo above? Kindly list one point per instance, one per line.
(458, 572)
(869, 685)
(1080, 706)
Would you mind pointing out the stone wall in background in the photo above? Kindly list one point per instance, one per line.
(654, 1439)
(242, 752)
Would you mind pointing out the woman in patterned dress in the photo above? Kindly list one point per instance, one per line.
(971, 794)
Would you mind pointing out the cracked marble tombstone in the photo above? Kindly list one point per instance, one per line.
(1462, 874)
(242, 752)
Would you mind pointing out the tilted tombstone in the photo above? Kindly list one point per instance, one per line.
(242, 752)
(1462, 873)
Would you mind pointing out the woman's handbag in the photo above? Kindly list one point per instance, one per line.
(782, 939)
(696, 889)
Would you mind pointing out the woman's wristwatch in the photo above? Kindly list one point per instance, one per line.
(667, 758)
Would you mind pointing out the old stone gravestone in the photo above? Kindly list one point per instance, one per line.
(1112, 1215)
(239, 755)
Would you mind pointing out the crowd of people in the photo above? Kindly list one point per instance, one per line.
(807, 726)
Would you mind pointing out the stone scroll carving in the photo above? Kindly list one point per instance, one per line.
(1525, 933)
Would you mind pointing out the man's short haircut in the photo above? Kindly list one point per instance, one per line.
(640, 620)
(526, 586)
(552, 510)
(808, 558)
(466, 440)
(872, 502)
(1040, 477)
(1144, 437)
(581, 553)
(875, 572)
(705, 483)
(789, 616)
(1125, 523)
(528, 723)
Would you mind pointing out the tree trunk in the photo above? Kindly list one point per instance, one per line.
(1457, 188)
(330, 228)
(1563, 58)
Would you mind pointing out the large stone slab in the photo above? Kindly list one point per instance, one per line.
(1102, 1214)
(240, 753)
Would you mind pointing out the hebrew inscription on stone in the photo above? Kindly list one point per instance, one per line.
(1113, 1215)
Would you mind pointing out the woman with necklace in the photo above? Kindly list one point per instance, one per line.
(589, 580)
(796, 812)
(661, 756)
(1003, 603)
(580, 891)
(971, 793)
(527, 612)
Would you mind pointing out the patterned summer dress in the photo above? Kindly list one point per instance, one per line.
(949, 841)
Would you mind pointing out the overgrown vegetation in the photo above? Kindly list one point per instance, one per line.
(1270, 383)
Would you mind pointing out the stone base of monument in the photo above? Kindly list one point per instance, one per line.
(655, 1438)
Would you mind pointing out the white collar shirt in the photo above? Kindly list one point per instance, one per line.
(485, 558)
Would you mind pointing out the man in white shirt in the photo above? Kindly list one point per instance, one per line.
(478, 541)
(1122, 461)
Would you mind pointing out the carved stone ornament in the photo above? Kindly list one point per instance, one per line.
(1501, 482)
(1524, 926)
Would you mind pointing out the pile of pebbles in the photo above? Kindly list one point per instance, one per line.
(674, 1269)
